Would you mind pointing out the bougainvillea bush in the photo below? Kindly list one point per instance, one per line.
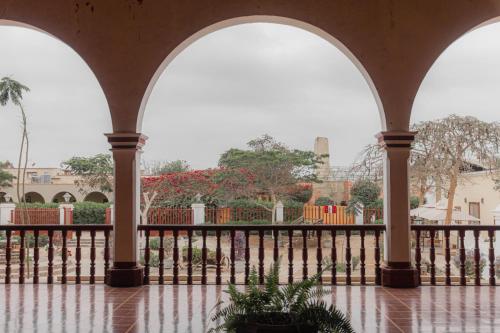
(215, 186)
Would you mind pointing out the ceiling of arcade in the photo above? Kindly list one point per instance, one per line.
(127, 42)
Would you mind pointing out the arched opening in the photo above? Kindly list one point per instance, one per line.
(98, 197)
(65, 107)
(260, 19)
(2, 197)
(460, 92)
(34, 197)
(63, 197)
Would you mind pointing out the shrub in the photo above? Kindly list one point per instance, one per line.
(324, 201)
(414, 202)
(89, 213)
(154, 260)
(469, 263)
(39, 205)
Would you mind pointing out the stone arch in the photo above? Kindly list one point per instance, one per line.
(34, 197)
(260, 19)
(2, 197)
(439, 52)
(95, 196)
(65, 41)
(59, 197)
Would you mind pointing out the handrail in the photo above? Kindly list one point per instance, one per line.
(455, 227)
(56, 227)
(264, 227)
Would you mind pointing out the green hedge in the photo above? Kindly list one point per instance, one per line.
(39, 205)
(89, 213)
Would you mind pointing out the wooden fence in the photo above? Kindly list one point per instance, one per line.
(339, 215)
(35, 216)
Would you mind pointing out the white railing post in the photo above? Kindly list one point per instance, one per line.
(198, 213)
(63, 217)
(280, 216)
(6, 209)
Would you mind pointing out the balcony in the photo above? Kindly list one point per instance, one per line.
(186, 266)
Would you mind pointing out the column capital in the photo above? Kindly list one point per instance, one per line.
(396, 139)
(126, 140)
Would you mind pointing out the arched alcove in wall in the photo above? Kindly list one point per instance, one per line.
(98, 197)
(34, 197)
(61, 197)
(67, 112)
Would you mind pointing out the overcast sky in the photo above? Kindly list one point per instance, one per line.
(230, 87)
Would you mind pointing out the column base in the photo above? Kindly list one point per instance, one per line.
(399, 275)
(125, 275)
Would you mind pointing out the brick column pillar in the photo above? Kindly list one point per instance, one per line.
(126, 149)
(397, 270)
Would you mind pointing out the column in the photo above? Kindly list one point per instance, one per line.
(280, 216)
(6, 209)
(198, 212)
(397, 270)
(65, 210)
(126, 149)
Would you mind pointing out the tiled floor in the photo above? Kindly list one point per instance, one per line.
(98, 308)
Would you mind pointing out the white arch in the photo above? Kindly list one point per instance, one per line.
(259, 19)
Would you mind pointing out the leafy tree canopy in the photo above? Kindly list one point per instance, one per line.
(5, 177)
(276, 167)
(365, 192)
(94, 172)
(162, 167)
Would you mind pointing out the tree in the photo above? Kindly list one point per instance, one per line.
(161, 167)
(458, 143)
(215, 186)
(93, 172)
(276, 168)
(11, 90)
(365, 192)
(5, 177)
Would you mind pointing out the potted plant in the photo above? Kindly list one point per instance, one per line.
(294, 308)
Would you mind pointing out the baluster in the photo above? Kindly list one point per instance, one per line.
(161, 258)
(36, 258)
(461, 234)
(304, 255)
(92, 256)
(432, 257)
(64, 256)
(190, 257)
(106, 255)
(491, 257)
(261, 256)
(175, 253)
(276, 246)
(418, 257)
(378, 275)
(78, 257)
(319, 255)
(334, 257)
(218, 258)
(290, 256)
(147, 253)
(50, 268)
(447, 257)
(247, 255)
(348, 257)
(21, 257)
(7, 256)
(477, 259)
(362, 268)
(232, 257)
(204, 257)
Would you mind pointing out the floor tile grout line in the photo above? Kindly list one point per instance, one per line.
(387, 317)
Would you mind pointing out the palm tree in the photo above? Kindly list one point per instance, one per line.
(11, 90)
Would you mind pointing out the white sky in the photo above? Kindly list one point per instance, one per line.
(229, 87)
